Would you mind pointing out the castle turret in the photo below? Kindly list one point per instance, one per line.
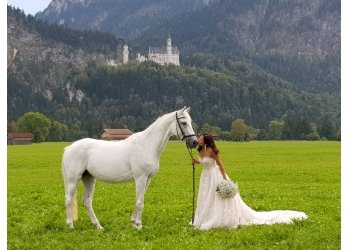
(169, 45)
(125, 52)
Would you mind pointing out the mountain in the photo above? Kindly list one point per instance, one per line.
(64, 74)
(298, 41)
(124, 18)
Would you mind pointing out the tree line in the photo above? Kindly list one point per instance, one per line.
(45, 129)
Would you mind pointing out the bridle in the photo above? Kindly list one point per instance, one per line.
(184, 136)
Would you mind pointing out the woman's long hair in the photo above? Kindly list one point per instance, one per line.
(209, 142)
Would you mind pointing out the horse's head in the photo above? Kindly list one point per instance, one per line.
(184, 128)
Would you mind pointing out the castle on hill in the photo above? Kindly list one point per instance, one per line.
(161, 55)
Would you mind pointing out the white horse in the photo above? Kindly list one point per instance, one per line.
(135, 158)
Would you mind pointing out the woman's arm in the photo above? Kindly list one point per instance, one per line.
(220, 165)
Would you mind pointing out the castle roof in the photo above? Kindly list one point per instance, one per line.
(162, 50)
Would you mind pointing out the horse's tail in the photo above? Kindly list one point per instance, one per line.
(74, 205)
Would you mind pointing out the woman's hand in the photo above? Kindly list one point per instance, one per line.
(194, 161)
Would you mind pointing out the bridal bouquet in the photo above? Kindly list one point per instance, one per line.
(227, 189)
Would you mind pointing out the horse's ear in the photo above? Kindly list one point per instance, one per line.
(188, 109)
(183, 109)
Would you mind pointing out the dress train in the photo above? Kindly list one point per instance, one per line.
(215, 212)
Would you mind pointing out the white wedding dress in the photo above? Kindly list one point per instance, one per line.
(215, 212)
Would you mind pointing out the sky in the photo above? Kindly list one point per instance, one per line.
(29, 6)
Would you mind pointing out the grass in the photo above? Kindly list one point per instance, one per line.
(295, 175)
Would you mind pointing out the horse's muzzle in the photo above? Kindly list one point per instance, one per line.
(192, 142)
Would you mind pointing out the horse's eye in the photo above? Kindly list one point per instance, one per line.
(184, 123)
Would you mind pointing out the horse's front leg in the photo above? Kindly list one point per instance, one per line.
(141, 186)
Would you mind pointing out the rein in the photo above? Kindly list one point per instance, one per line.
(190, 151)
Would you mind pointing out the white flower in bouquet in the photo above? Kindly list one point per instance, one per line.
(227, 189)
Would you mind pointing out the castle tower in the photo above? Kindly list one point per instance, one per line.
(169, 45)
(125, 53)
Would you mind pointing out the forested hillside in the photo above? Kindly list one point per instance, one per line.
(134, 95)
(217, 98)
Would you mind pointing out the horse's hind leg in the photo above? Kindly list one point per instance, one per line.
(70, 203)
(89, 183)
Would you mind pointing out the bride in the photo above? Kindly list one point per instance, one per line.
(213, 211)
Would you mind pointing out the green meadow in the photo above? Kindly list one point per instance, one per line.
(292, 175)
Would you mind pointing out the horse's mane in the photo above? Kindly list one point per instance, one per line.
(157, 121)
(150, 127)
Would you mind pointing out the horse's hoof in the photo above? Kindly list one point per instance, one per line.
(137, 225)
(71, 226)
(99, 227)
